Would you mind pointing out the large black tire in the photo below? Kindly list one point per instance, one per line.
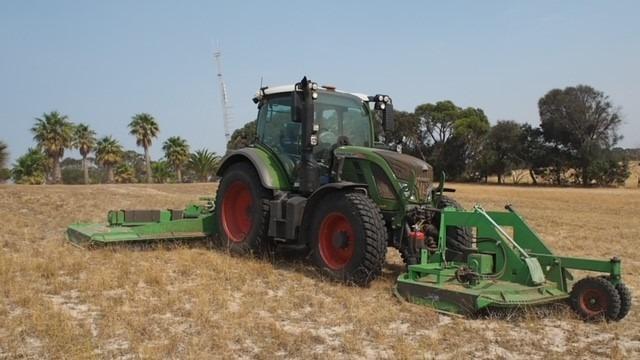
(348, 239)
(242, 209)
(625, 298)
(625, 301)
(595, 298)
(459, 239)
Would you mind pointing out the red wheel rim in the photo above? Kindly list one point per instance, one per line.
(337, 240)
(237, 211)
(593, 302)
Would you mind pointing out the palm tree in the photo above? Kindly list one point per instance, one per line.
(4, 155)
(145, 128)
(136, 161)
(53, 133)
(109, 153)
(161, 171)
(125, 174)
(176, 150)
(84, 139)
(204, 163)
(30, 168)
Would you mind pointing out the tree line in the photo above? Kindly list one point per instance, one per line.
(575, 142)
(104, 159)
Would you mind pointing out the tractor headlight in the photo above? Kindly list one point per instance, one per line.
(406, 190)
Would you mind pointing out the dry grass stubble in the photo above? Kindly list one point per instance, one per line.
(193, 301)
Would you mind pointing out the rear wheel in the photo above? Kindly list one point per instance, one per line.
(243, 211)
(348, 237)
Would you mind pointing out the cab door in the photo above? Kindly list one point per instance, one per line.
(281, 135)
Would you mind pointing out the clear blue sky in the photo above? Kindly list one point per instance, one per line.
(102, 61)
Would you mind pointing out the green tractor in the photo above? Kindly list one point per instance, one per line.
(317, 181)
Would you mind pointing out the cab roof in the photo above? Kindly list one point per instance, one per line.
(289, 88)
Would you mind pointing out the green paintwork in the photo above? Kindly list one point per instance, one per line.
(358, 168)
(481, 263)
(273, 167)
(270, 169)
(528, 277)
(198, 222)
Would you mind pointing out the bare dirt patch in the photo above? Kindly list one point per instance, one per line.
(193, 301)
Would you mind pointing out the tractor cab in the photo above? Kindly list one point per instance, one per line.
(337, 119)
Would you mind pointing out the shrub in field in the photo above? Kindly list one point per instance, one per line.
(30, 168)
(203, 164)
(124, 174)
(161, 171)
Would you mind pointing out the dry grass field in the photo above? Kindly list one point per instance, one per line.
(521, 176)
(173, 301)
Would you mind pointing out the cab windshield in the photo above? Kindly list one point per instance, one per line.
(342, 119)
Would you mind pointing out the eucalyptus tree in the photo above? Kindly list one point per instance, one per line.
(583, 123)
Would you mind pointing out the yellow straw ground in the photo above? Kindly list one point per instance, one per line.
(178, 301)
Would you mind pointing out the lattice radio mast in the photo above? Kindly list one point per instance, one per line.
(226, 106)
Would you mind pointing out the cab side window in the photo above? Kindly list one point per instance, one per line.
(278, 132)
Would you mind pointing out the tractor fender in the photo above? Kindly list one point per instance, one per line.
(271, 174)
(323, 191)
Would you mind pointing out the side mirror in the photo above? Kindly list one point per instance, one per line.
(383, 103)
(387, 118)
(296, 106)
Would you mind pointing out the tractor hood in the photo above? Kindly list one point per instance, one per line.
(413, 176)
(405, 167)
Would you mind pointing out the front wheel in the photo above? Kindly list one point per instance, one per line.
(348, 238)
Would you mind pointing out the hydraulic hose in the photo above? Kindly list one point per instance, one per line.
(498, 274)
